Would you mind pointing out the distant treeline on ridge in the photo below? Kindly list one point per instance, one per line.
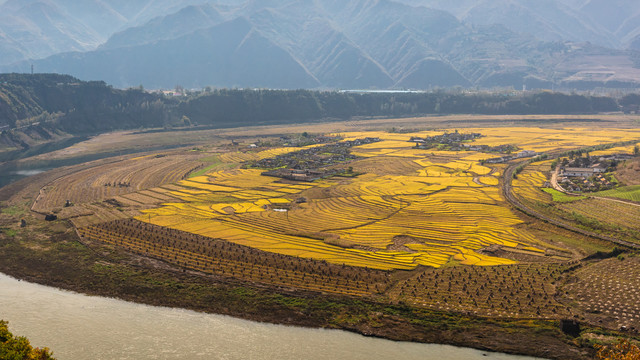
(62, 103)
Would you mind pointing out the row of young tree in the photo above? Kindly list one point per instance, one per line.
(80, 107)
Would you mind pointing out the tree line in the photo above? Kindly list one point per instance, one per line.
(64, 103)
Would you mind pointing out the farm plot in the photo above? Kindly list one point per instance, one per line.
(525, 290)
(438, 210)
(544, 140)
(630, 193)
(409, 207)
(222, 258)
(118, 178)
(242, 156)
(528, 184)
(604, 215)
(608, 290)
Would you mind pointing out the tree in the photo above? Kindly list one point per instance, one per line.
(623, 350)
(636, 150)
(18, 347)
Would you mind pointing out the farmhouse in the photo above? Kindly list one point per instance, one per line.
(526, 153)
(616, 157)
(582, 172)
(499, 160)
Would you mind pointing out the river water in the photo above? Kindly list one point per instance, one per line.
(77, 326)
(8, 176)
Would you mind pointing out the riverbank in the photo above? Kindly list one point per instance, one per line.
(141, 332)
(71, 269)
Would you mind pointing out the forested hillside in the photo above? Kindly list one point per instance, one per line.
(62, 103)
(66, 103)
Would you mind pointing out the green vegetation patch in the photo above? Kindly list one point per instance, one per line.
(631, 193)
(562, 197)
(10, 232)
(18, 347)
(13, 210)
(215, 163)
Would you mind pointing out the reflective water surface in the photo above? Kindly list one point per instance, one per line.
(77, 326)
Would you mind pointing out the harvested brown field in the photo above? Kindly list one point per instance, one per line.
(608, 291)
(118, 178)
(525, 290)
(629, 172)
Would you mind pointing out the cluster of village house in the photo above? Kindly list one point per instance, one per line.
(461, 142)
(452, 141)
(590, 177)
(518, 155)
(313, 163)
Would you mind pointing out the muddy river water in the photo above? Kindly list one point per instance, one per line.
(77, 326)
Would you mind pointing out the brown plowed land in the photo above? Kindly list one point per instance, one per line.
(517, 291)
(608, 292)
(115, 179)
(629, 172)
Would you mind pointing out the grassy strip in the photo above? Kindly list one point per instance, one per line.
(562, 197)
(631, 193)
(215, 163)
(13, 210)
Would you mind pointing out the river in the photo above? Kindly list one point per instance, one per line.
(7, 176)
(77, 326)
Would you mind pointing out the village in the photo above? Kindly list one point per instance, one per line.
(589, 173)
(293, 140)
(457, 141)
(313, 163)
(447, 141)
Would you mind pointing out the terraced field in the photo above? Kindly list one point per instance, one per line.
(425, 228)
(524, 290)
(222, 258)
(437, 209)
(409, 207)
(115, 179)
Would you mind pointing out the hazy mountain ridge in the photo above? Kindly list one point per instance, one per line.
(346, 44)
(602, 22)
(187, 20)
(39, 28)
(230, 48)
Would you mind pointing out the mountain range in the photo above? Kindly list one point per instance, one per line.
(364, 44)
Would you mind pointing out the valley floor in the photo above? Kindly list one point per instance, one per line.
(195, 228)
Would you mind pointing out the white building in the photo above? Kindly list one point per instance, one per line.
(582, 172)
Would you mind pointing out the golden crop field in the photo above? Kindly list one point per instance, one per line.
(409, 206)
(528, 184)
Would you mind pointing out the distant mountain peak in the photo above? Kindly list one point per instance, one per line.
(324, 43)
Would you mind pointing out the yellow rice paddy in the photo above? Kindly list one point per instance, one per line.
(448, 209)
